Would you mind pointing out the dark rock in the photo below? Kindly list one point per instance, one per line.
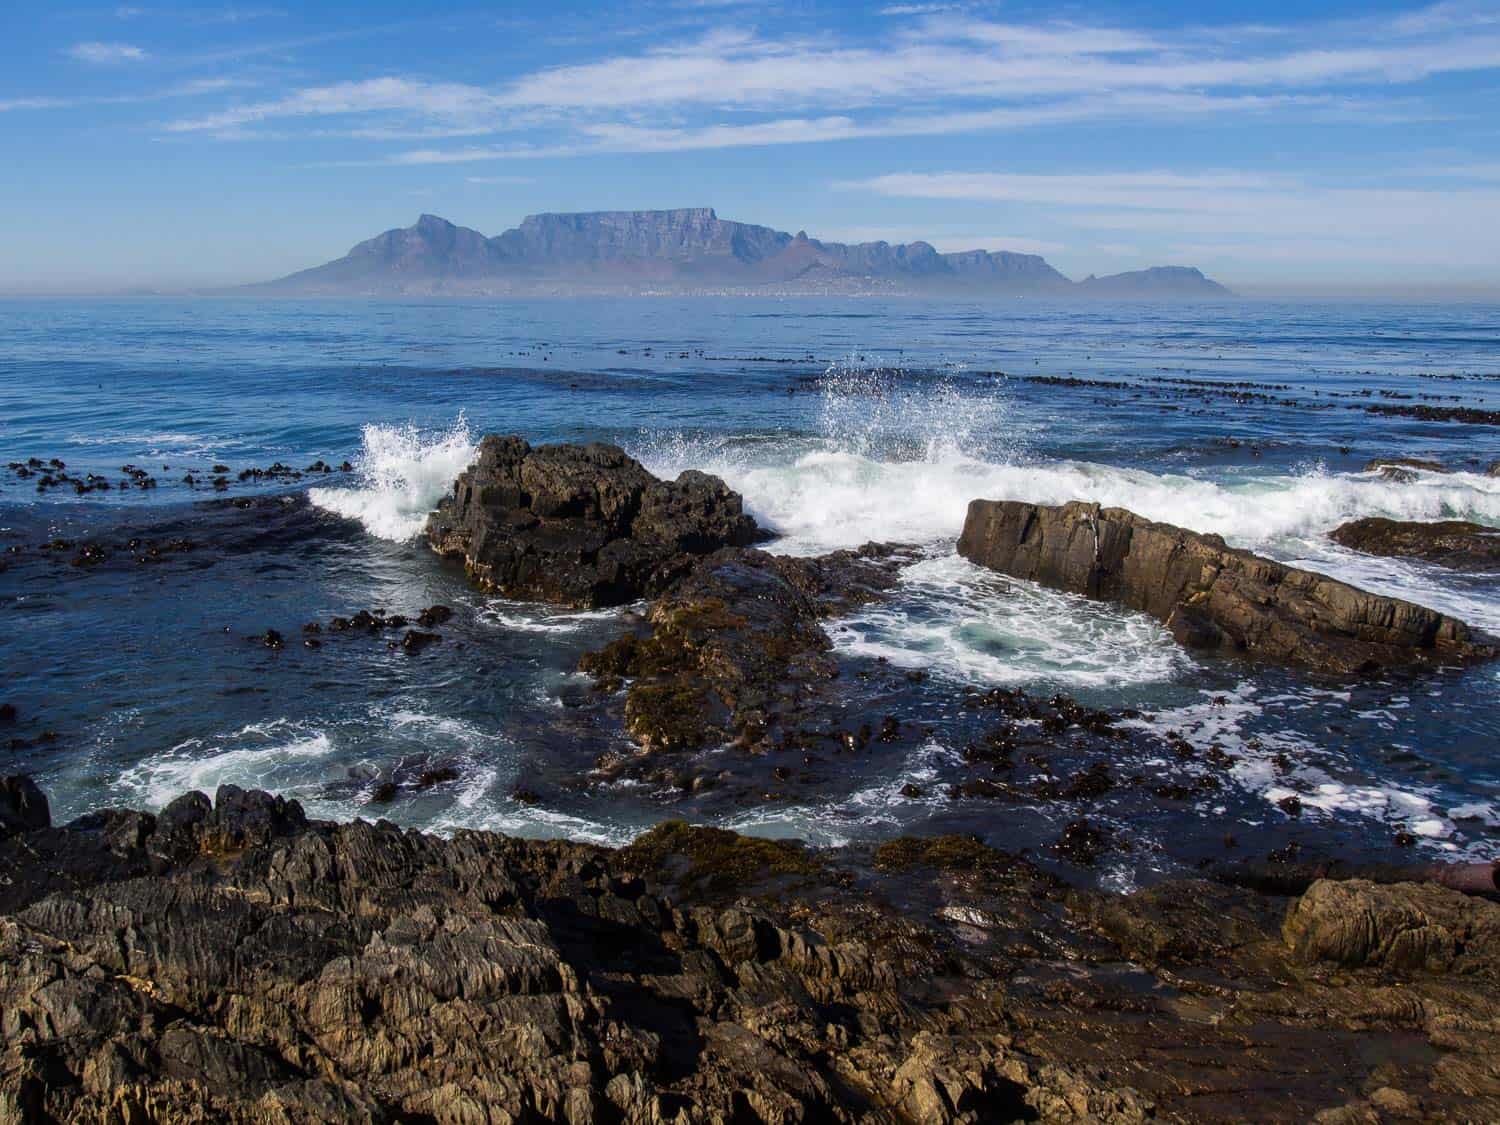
(1493, 469)
(1209, 595)
(1083, 842)
(581, 525)
(434, 615)
(437, 775)
(7, 712)
(735, 650)
(415, 641)
(1452, 543)
(235, 961)
(272, 639)
(23, 806)
(1403, 470)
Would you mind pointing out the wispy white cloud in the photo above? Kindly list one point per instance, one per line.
(401, 95)
(196, 88)
(944, 70)
(106, 52)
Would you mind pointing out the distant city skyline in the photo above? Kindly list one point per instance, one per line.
(1352, 149)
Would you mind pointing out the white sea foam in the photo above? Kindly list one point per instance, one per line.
(826, 493)
(402, 474)
(964, 622)
(1316, 775)
(273, 755)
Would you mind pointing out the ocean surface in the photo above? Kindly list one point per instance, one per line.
(138, 675)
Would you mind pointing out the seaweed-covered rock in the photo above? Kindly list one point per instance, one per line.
(581, 525)
(23, 806)
(1453, 543)
(1210, 595)
(735, 651)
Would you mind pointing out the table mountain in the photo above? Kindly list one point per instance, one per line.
(688, 249)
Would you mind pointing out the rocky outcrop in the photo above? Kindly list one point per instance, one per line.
(1452, 543)
(735, 651)
(229, 960)
(1403, 470)
(1400, 926)
(581, 525)
(1211, 596)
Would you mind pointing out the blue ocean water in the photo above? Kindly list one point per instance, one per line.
(840, 421)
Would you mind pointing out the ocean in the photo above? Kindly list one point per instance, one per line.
(139, 675)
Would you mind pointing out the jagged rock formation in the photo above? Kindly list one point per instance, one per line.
(1452, 543)
(1209, 595)
(229, 960)
(581, 525)
(688, 248)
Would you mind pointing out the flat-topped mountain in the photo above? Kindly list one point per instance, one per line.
(689, 249)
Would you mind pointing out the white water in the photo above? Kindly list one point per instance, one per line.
(1319, 777)
(402, 474)
(973, 626)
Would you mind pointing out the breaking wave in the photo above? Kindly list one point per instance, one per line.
(402, 474)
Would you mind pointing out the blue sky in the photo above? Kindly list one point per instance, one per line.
(1278, 146)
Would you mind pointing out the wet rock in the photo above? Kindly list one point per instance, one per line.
(1083, 843)
(1403, 470)
(581, 525)
(438, 775)
(1213, 597)
(1493, 469)
(735, 650)
(23, 806)
(434, 615)
(272, 639)
(8, 712)
(1452, 543)
(416, 641)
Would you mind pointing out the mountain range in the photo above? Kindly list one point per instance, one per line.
(690, 250)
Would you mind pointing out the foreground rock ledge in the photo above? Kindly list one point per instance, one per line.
(232, 961)
(1210, 595)
(582, 525)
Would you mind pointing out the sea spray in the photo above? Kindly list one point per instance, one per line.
(402, 474)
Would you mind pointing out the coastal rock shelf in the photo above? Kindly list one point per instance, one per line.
(231, 960)
(582, 526)
(1210, 595)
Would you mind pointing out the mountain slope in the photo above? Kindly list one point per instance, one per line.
(687, 249)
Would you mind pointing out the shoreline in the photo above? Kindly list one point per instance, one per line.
(234, 957)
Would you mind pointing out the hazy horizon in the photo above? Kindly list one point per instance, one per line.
(1348, 153)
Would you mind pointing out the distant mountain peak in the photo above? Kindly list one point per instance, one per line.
(690, 249)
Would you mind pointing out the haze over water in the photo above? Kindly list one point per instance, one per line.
(840, 422)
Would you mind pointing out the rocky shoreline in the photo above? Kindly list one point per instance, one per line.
(230, 958)
(233, 960)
